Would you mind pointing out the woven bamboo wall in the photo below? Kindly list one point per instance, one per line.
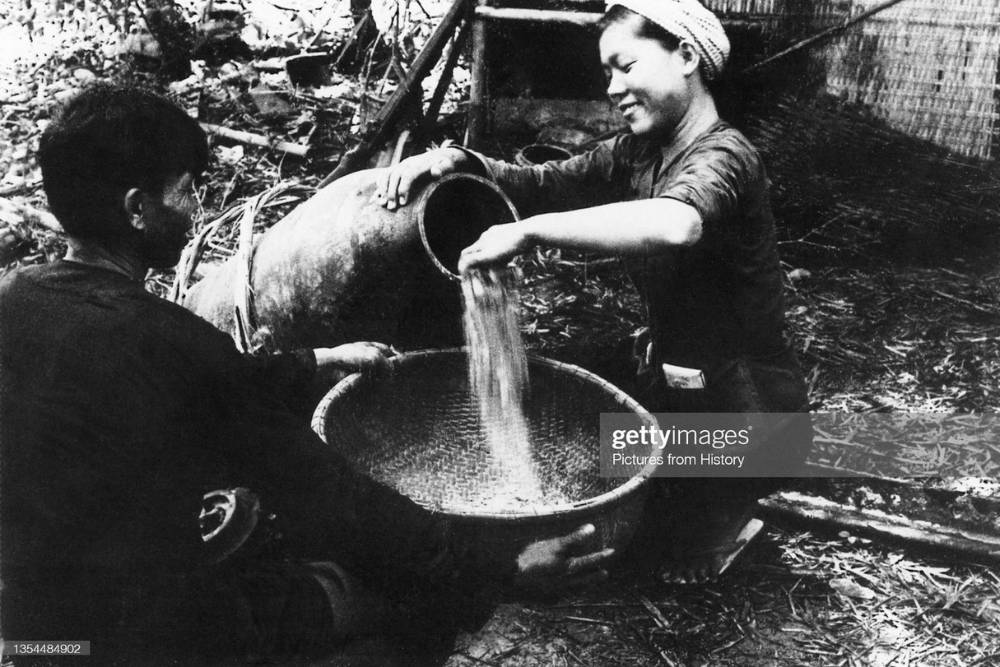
(784, 19)
(929, 68)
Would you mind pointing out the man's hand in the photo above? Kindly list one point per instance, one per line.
(394, 184)
(561, 562)
(363, 356)
(497, 245)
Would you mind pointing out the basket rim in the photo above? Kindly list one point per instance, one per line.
(613, 496)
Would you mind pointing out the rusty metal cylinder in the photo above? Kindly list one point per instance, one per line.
(341, 267)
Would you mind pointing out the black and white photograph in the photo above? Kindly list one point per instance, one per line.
(542, 333)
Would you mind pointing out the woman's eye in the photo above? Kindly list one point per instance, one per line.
(627, 67)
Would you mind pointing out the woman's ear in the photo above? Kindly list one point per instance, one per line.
(690, 58)
(133, 203)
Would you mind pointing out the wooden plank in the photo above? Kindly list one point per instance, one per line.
(878, 524)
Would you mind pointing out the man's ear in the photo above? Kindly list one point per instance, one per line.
(134, 201)
(690, 57)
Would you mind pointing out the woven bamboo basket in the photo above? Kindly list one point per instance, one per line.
(418, 430)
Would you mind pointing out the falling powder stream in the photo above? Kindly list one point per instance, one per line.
(498, 377)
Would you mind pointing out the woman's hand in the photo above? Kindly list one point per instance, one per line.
(362, 356)
(561, 562)
(394, 184)
(497, 245)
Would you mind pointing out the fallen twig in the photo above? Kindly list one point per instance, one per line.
(256, 139)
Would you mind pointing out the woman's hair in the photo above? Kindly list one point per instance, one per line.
(107, 140)
(647, 28)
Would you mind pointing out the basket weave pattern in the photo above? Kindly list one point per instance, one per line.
(418, 430)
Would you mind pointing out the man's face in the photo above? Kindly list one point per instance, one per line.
(646, 81)
(168, 220)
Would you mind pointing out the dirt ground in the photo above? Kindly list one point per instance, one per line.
(797, 598)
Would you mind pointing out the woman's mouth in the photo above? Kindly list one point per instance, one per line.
(627, 107)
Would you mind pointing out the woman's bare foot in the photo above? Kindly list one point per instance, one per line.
(705, 546)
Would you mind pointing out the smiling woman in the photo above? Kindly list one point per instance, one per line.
(648, 76)
(684, 199)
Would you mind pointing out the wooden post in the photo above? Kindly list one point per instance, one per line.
(476, 127)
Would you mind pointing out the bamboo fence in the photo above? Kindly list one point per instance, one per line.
(928, 68)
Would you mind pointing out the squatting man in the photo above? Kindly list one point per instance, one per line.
(120, 410)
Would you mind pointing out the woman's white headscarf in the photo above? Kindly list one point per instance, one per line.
(690, 22)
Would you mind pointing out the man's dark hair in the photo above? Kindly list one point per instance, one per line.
(647, 28)
(107, 140)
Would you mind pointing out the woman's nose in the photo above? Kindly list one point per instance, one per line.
(615, 86)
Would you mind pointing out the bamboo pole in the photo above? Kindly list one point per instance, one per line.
(583, 19)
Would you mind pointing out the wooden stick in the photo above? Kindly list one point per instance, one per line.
(476, 125)
(255, 139)
(583, 19)
(819, 37)
(358, 27)
(654, 612)
(437, 99)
